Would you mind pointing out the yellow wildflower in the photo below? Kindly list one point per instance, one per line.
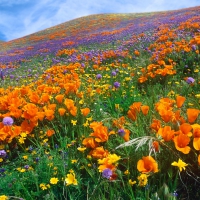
(54, 181)
(143, 179)
(131, 182)
(74, 122)
(3, 197)
(81, 149)
(180, 164)
(70, 179)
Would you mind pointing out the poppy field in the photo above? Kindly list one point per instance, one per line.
(103, 107)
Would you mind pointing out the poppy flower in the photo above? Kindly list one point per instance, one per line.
(61, 111)
(155, 145)
(99, 152)
(90, 143)
(147, 164)
(181, 141)
(167, 133)
(192, 114)
(179, 101)
(156, 124)
(50, 132)
(196, 135)
(199, 160)
(85, 111)
(145, 109)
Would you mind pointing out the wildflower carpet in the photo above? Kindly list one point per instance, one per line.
(103, 107)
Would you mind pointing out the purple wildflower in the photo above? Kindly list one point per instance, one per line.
(194, 48)
(26, 166)
(190, 80)
(12, 76)
(121, 132)
(2, 75)
(107, 173)
(2, 153)
(7, 121)
(116, 84)
(98, 76)
(114, 73)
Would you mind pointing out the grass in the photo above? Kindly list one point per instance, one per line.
(107, 119)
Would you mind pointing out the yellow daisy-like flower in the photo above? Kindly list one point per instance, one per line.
(81, 149)
(74, 122)
(113, 158)
(43, 186)
(54, 181)
(131, 182)
(143, 179)
(126, 172)
(197, 95)
(1, 160)
(73, 161)
(180, 164)
(71, 179)
(25, 157)
(3, 197)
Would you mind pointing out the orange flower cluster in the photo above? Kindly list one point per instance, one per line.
(28, 105)
(67, 52)
(99, 135)
(186, 130)
(135, 108)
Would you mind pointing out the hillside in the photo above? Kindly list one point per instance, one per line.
(90, 30)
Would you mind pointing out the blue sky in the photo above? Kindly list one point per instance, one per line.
(19, 18)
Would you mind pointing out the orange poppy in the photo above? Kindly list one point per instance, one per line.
(185, 129)
(166, 133)
(100, 133)
(85, 111)
(155, 145)
(147, 164)
(50, 132)
(196, 135)
(179, 101)
(181, 141)
(90, 143)
(126, 135)
(166, 115)
(156, 124)
(61, 111)
(192, 114)
(145, 109)
(132, 115)
(99, 152)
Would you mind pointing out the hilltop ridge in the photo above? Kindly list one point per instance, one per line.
(88, 25)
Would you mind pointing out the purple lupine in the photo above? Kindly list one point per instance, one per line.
(190, 80)
(121, 132)
(98, 76)
(2, 75)
(3, 153)
(8, 121)
(116, 84)
(114, 73)
(107, 173)
(26, 166)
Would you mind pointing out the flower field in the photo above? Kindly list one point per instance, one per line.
(103, 107)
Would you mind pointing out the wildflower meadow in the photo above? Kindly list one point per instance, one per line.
(103, 107)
